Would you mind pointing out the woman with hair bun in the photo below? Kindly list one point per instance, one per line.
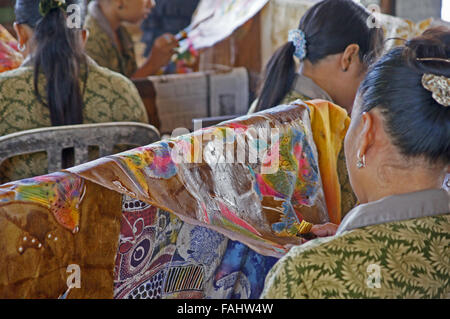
(396, 243)
(58, 84)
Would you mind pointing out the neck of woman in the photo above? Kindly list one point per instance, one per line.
(391, 179)
(319, 73)
(110, 14)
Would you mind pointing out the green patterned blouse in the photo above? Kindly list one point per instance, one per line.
(108, 97)
(406, 258)
(101, 45)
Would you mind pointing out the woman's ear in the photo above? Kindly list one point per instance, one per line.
(366, 136)
(22, 34)
(349, 56)
(84, 36)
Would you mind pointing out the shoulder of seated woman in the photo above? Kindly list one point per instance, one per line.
(16, 73)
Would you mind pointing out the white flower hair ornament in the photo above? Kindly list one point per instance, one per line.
(298, 39)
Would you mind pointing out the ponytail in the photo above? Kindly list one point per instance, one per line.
(328, 28)
(58, 55)
(279, 77)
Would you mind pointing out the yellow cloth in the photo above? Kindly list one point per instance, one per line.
(329, 124)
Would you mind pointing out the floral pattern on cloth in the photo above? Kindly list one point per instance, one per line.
(246, 213)
(246, 201)
(60, 192)
(10, 57)
(348, 197)
(413, 257)
(51, 224)
(161, 257)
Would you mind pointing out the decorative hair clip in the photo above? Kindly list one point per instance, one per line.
(45, 6)
(439, 86)
(298, 38)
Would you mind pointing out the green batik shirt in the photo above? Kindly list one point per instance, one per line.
(101, 45)
(398, 247)
(108, 97)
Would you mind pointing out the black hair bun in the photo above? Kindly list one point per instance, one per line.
(430, 52)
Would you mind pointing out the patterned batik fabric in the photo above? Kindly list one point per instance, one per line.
(108, 97)
(404, 259)
(101, 47)
(10, 57)
(347, 196)
(266, 202)
(52, 226)
(202, 207)
(159, 257)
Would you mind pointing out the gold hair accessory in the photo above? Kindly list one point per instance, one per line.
(434, 60)
(439, 86)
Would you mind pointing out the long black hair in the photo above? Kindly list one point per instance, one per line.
(329, 26)
(418, 125)
(58, 54)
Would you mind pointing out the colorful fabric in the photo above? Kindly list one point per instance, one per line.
(50, 224)
(267, 210)
(161, 257)
(411, 257)
(59, 192)
(329, 126)
(10, 57)
(109, 97)
(343, 190)
(182, 214)
(303, 89)
(102, 47)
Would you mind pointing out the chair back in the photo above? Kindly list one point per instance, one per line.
(54, 140)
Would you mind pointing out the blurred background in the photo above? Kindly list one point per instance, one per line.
(239, 39)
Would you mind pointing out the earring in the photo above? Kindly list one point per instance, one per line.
(361, 163)
(21, 47)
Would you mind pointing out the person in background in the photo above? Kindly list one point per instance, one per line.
(111, 45)
(57, 84)
(396, 243)
(168, 16)
(335, 46)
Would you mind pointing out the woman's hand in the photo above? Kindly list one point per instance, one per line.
(160, 55)
(163, 49)
(324, 230)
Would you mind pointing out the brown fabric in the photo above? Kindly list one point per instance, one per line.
(41, 273)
